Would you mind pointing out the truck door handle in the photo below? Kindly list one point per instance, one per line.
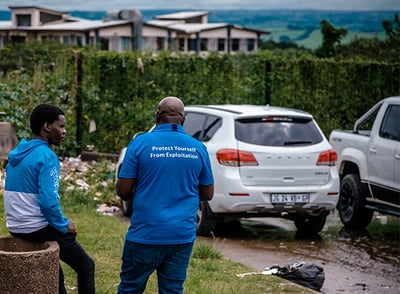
(397, 156)
(372, 150)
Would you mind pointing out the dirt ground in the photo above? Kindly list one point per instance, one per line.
(352, 264)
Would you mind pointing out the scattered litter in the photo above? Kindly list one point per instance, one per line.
(307, 274)
(363, 286)
(81, 183)
(107, 210)
(303, 273)
(265, 272)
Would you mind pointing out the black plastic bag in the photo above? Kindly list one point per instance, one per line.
(307, 274)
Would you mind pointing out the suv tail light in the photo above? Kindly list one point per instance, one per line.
(234, 157)
(328, 158)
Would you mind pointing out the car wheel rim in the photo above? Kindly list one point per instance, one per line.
(346, 202)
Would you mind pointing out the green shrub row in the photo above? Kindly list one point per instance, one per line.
(119, 92)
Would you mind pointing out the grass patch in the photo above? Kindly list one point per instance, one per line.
(103, 236)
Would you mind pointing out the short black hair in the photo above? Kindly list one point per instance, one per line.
(43, 113)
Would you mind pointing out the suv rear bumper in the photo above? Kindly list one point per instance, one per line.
(258, 200)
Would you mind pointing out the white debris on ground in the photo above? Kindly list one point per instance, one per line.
(107, 210)
(70, 167)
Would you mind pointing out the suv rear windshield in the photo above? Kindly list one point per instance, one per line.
(277, 131)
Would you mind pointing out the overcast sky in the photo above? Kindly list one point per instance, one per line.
(109, 5)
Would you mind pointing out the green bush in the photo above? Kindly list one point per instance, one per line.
(119, 91)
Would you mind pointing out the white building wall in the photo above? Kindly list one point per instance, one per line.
(125, 30)
(148, 31)
(34, 13)
(213, 44)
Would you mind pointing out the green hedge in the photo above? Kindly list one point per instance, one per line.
(119, 92)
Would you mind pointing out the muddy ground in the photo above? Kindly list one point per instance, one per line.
(353, 261)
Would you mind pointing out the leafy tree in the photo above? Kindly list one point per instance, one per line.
(373, 48)
(331, 39)
(285, 48)
(392, 29)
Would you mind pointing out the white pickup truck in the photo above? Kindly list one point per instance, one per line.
(369, 164)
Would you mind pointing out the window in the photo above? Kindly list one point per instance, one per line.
(203, 44)
(160, 43)
(192, 44)
(365, 126)
(235, 45)
(201, 126)
(48, 17)
(24, 20)
(79, 41)
(17, 39)
(104, 44)
(221, 45)
(250, 45)
(390, 128)
(277, 131)
(181, 44)
(66, 40)
(126, 43)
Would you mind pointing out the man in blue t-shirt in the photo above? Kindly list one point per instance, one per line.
(170, 172)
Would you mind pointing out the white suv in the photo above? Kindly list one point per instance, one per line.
(267, 162)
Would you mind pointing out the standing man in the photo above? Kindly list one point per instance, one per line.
(170, 172)
(31, 197)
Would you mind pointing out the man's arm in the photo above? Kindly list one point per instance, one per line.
(125, 188)
(48, 197)
(206, 193)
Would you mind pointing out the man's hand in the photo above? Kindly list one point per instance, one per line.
(72, 228)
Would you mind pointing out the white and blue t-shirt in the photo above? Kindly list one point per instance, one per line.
(168, 166)
(31, 199)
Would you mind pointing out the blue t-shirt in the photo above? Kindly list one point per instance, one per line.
(168, 166)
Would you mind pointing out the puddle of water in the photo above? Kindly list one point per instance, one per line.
(354, 261)
(379, 243)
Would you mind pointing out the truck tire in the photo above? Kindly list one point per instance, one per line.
(206, 220)
(310, 225)
(351, 204)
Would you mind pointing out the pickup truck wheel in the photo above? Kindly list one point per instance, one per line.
(126, 207)
(351, 204)
(206, 220)
(310, 225)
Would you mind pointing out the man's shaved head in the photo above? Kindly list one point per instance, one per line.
(170, 110)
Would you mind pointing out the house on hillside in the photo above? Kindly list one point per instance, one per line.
(187, 32)
(32, 23)
(191, 32)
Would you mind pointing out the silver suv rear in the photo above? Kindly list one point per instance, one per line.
(267, 162)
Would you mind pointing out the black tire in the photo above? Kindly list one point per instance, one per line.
(126, 207)
(351, 204)
(310, 225)
(206, 220)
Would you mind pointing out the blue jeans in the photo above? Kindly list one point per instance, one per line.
(139, 261)
(71, 253)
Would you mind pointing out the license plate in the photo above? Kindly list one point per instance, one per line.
(288, 199)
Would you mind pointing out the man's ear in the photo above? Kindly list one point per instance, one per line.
(183, 120)
(46, 127)
(158, 118)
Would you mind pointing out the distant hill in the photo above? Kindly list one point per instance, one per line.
(300, 26)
